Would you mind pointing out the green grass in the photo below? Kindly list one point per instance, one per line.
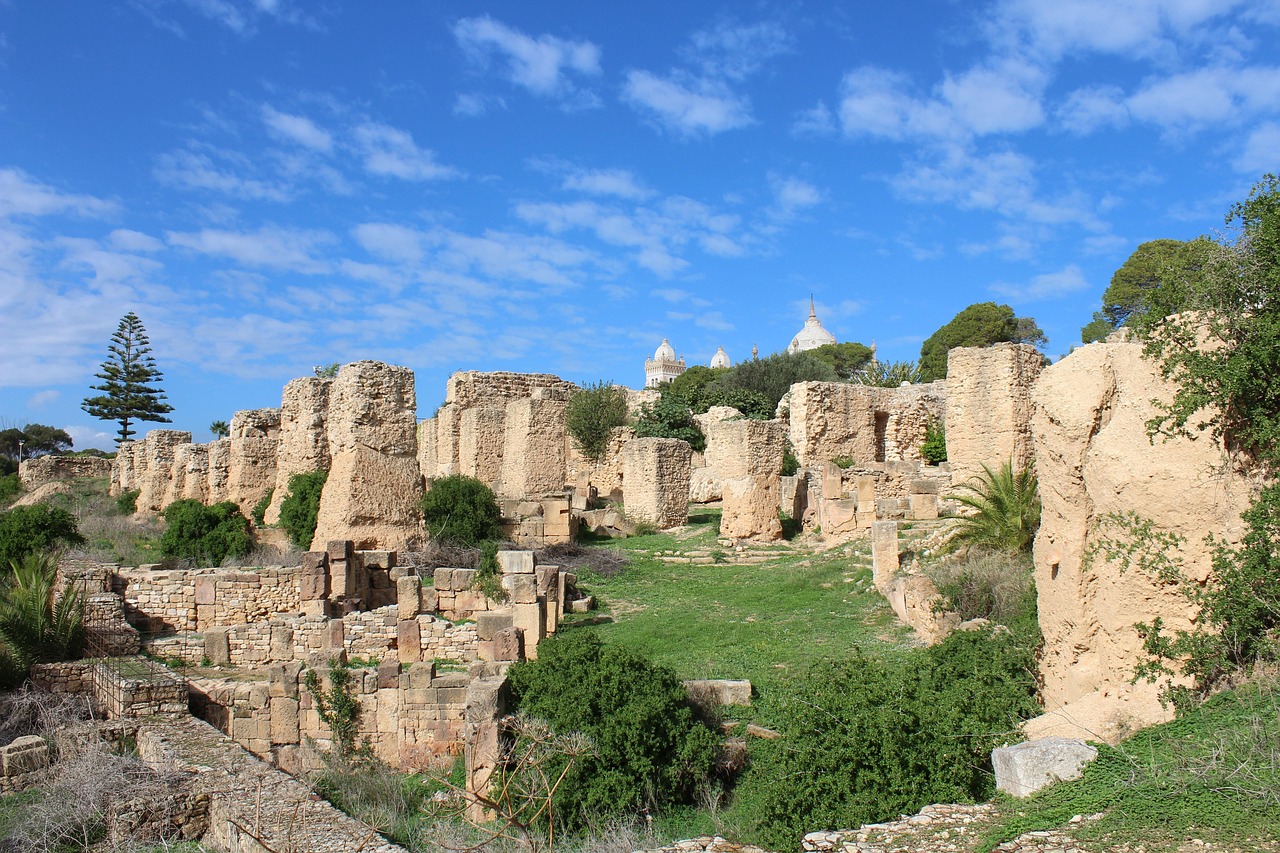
(764, 622)
(1212, 774)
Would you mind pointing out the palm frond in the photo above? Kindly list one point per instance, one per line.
(1006, 509)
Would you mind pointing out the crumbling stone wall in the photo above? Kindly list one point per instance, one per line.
(304, 438)
(748, 457)
(374, 487)
(833, 419)
(46, 469)
(655, 480)
(535, 449)
(124, 472)
(1094, 459)
(196, 599)
(154, 477)
(191, 473)
(255, 438)
(605, 477)
(989, 407)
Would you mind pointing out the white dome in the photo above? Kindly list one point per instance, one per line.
(664, 352)
(812, 335)
(720, 359)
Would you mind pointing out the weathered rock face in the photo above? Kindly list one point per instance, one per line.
(255, 437)
(374, 488)
(751, 477)
(124, 473)
(1094, 459)
(989, 407)
(606, 477)
(655, 480)
(534, 453)
(219, 470)
(832, 419)
(153, 482)
(46, 469)
(191, 472)
(304, 440)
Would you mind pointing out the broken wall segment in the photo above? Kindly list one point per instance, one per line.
(46, 469)
(989, 407)
(655, 480)
(304, 439)
(829, 420)
(374, 488)
(535, 449)
(251, 473)
(155, 476)
(751, 478)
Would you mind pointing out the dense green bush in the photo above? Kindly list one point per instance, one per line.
(889, 374)
(127, 501)
(790, 464)
(751, 403)
(462, 510)
(772, 377)
(259, 512)
(301, 507)
(591, 415)
(32, 529)
(864, 741)
(994, 585)
(670, 417)
(206, 534)
(10, 487)
(650, 749)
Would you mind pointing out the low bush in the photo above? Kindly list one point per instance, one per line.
(790, 464)
(934, 449)
(591, 416)
(1006, 509)
(259, 513)
(10, 487)
(670, 417)
(300, 508)
(127, 501)
(202, 533)
(33, 529)
(461, 510)
(995, 586)
(650, 750)
(863, 740)
(36, 624)
(843, 462)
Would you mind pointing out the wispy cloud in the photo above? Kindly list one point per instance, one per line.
(734, 51)
(270, 247)
(198, 170)
(23, 195)
(792, 196)
(298, 129)
(1070, 279)
(544, 65)
(1261, 150)
(390, 151)
(686, 105)
(615, 182)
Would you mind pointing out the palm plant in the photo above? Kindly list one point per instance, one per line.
(888, 374)
(38, 625)
(1006, 509)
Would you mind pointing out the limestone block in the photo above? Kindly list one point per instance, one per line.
(720, 691)
(832, 481)
(462, 579)
(884, 552)
(923, 507)
(336, 636)
(251, 471)
(750, 508)
(217, 646)
(219, 470)
(516, 562)
(923, 487)
(374, 488)
(839, 516)
(158, 451)
(281, 642)
(388, 673)
(866, 490)
(24, 755)
(442, 579)
(284, 720)
(409, 641)
(655, 479)
(408, 597)
(530, 619)
(303, 437)
(522, 589)
(989, 407)
(829, 419)
(1025, 768)
(508, 645)
(385, 560)
(534, 454)
(489, 623)
(204, 590)
(481, 436)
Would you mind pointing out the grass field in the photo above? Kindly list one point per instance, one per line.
(762, 614)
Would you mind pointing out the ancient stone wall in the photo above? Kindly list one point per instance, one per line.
(481, 438)
(534, 454)
(834, 419)
(219, 470)
(191, 473)
(989, 407)
(374, 487)
(255, 439)
(196, 599)
(655, 480)
(748, 458)
(124, 473)
(1094, 459)
(45, 469)
(154, 478)
(304, 439)
(605, 477)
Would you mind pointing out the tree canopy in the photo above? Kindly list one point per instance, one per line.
(130, 381)
(772, 377)
(1158, 279)
(846, 359)
(591, 415)
(980, 325)
(35, 439)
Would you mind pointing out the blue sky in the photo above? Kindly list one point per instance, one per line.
(556, 187)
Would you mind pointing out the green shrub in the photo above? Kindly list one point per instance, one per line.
(670, 417)
(591, 416)
(202, 533)
(1006, 510)
(127, 501)
(751, 403)
(259, 513)
(337, 706)
(996, 586)
(790, 464)
(10, 487)
(37, 625)
(33, 529)
(650, 749)
(462, 510)
(889, 374)
(864, 741)
(934, 449)
(772, 377)
(843, 462)
(301, 507)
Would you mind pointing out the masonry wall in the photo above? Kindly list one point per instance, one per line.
(45, 469)
(828, 420)
(989, 407)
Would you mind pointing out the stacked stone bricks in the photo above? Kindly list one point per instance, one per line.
(45, 469)
(833, 419)
(989, 407)
(655, 480)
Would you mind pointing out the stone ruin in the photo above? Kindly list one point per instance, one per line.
(34, 473)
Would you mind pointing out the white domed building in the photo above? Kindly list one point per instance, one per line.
(720, 359)
(812, 335)
(663, 367)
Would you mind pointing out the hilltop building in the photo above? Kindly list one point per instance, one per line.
(663, 367)
(812, 335)
(720, 359)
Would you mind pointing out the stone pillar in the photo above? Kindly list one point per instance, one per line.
(481, 437)
(534, 461)
(159, 449)
(255, 437)
(408, 597)
(219, 470)
(752, 479)
(884, 553)
(989, 407)
(655, 480)
(304, 439)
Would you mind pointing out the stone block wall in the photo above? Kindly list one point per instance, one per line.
(304, 438)
(828, 420)
(534, 454)
(989, 407)
(751, 476)
(255, 439)
(195, 599)
(46, 469)
(606, 476)
(538, 523)
(655, 478)
(154, 477)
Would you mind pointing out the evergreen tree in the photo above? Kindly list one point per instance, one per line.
(130, 381)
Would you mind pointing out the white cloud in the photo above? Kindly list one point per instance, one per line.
(1208, 97)
(274, 248)
(196, 171)
(390, 151)
(542, 65)
(1070, 279)
(1002, 97)
(815, 121)
(1261, 151)
(84, 437)
(23, 195)
(134, 241)
(475, 104)
(735, 51)
(791, 196)
(616, 182)
(295, 128)
(40, 399)
(1092, 108)
(241, 16)
(685, 105)
(393, 242)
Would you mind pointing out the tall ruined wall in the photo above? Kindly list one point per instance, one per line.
(374, 488)
(255, 438)
(535, 452)
(304, 440)
(155, 477)
(751, 477)
(655, 480)
(832, 419)
(1094, 458)
(989, 407)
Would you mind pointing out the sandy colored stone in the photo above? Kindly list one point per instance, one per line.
(534, 454)
(751, 477)
(304, 439)
(154, 484)
(34, 473)
(481, 436)
(191, 472)
(989, 407)
(219, 470)
(1094, 459)
(832, 419)
(255, 437)
(656, 481)
(374, 488)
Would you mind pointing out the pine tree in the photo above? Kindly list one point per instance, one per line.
(130, 381)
